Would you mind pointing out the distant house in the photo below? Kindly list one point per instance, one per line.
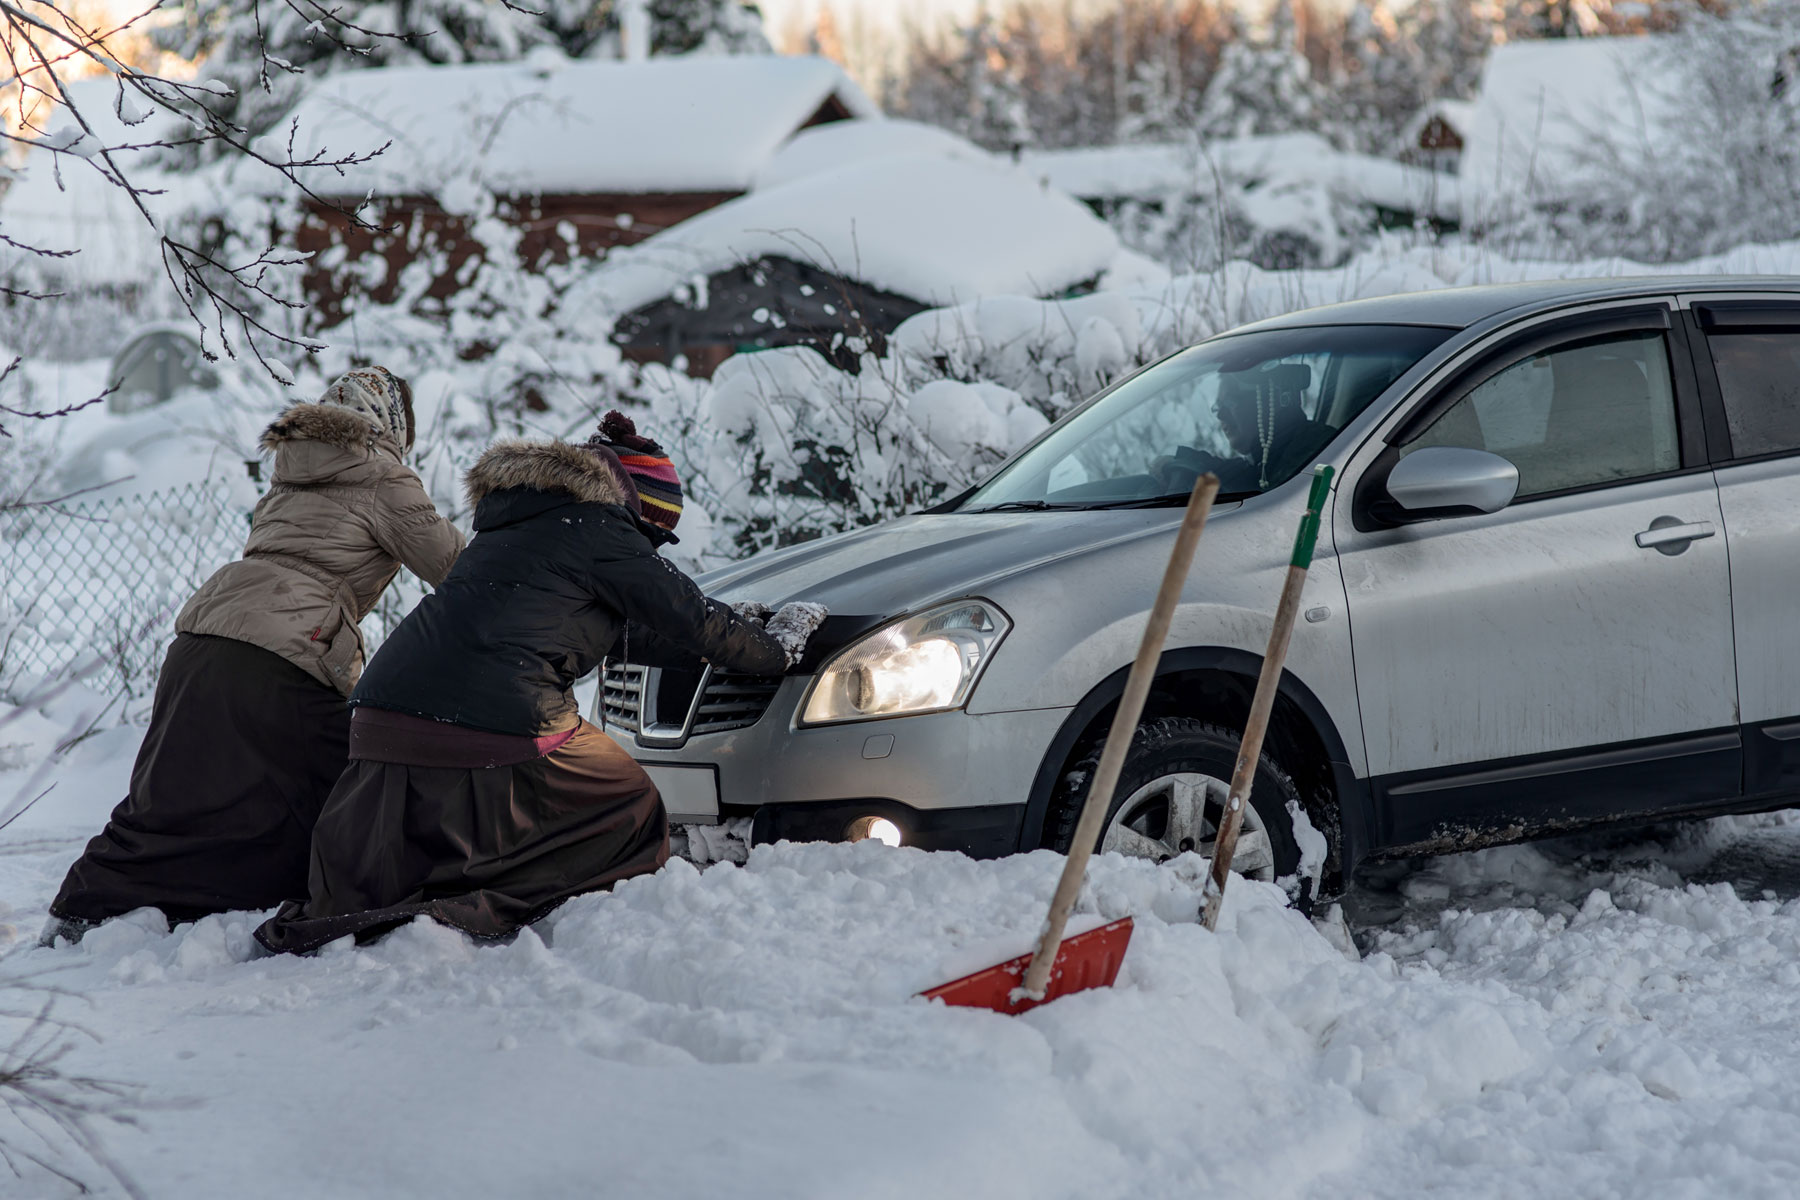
(1434, 138)
(583, 156)
(1552, 114)
(888, 220)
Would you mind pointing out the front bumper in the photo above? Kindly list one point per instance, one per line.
(950, 780)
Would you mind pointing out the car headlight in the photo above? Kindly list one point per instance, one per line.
(926, 663)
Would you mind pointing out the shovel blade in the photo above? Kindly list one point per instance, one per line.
(1087, 960)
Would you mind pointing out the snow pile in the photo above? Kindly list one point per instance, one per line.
(772, 1007)
(1530, 1022)
(551, 125)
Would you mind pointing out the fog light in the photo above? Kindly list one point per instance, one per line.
(879, 828)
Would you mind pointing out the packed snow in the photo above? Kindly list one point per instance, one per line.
(1591, 1018)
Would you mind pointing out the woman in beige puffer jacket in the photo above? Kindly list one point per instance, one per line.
(250, 729)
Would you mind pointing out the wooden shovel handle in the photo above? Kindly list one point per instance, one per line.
(1118, 738)
(1267, 684)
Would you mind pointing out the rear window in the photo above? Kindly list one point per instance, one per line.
(1759, 377)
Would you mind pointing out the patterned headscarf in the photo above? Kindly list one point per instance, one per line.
(653, 475)
(378, 396)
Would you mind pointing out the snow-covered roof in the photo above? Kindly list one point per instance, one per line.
(1548, 113)
(1283, 160)
(84, 211)
(556, 125)
(826, 147)
(1457, 114)
(939, 230)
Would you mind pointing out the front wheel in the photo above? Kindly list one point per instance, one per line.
(1168, 801)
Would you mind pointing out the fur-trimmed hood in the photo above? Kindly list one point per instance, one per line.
(325, 423)
(548, 467)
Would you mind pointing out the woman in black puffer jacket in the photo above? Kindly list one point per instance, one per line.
(476, 794)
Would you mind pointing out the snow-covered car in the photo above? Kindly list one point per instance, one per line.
(1555, 589)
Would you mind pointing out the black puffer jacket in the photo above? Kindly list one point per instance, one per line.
(556, 571)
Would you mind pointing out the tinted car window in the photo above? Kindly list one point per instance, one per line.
(1759, 376)
(1579, 415)
(1253, 408)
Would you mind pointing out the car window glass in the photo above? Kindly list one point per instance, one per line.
(1759, 380)
(1253, 408)
(1572, 417)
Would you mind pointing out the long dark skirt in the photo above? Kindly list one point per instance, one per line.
(484, 850)
(242, 750)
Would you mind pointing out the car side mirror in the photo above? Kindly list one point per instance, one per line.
(1446, 481)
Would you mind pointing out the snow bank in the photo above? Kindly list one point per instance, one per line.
(759, 1023)
(1535, 1022)
(550, 125)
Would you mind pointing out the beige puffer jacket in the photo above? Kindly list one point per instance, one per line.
(341, 516)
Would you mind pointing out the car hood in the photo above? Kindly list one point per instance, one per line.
(867, 575)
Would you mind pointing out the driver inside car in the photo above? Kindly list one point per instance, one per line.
(1266, 428)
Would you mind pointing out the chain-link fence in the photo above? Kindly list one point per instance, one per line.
(107, 578)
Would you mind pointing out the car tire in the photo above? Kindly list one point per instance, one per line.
(1164, 753)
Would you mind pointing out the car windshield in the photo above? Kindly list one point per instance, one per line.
(1252, 408)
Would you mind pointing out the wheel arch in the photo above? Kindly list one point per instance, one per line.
(1217, 683)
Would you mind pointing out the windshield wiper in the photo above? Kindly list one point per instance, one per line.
(1024, 506)
(1171, 500)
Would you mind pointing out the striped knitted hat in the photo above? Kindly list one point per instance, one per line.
(658, 486)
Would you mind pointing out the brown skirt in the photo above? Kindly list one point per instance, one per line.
(483, 849)
(242, 749)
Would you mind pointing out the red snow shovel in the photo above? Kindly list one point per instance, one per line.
(1091, 959)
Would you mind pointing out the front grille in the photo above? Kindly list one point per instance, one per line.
(731, 699)
(734, 700)
(622, 695)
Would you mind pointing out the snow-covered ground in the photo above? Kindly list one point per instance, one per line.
(1591, 1018)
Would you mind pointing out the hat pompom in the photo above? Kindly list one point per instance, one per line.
(658, 485)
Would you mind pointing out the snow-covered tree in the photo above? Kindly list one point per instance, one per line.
(1717, 163)
(1451, 39)
(1379, 80)
(1266, 85)
(710, 26)
(264, 54)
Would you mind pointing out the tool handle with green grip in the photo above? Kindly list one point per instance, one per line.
(1308, 535)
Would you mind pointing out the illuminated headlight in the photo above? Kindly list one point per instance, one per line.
(926, 663)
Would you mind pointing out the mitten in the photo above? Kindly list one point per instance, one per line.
(793, 624)
(752, 611)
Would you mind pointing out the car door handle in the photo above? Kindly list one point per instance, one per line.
(1667, 534)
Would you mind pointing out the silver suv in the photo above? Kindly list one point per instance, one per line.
(1556, 588)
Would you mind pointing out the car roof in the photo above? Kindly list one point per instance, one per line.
(1459, 308)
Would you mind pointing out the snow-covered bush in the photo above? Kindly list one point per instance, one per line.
(781, 447)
